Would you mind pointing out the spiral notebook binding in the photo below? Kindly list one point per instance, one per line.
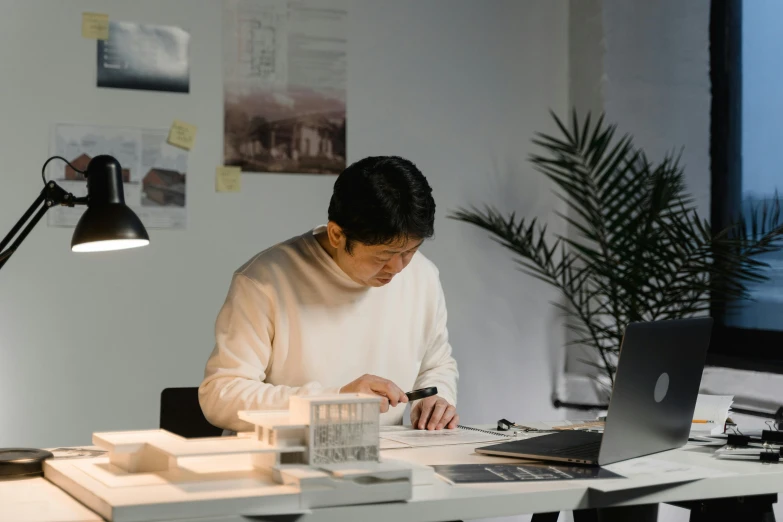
(496, 433)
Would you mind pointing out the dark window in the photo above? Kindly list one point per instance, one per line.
(746, 70)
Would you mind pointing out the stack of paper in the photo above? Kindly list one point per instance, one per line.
(652, 471)
(709, 417)
(705, 439)
(752, 451)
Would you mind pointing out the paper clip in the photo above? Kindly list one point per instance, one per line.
(505, 425)
(737, 441)
(770, 456)
(774, 436)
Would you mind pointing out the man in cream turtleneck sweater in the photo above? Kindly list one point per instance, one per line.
(348, 307)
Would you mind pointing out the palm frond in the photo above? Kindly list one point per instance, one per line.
(639, 250)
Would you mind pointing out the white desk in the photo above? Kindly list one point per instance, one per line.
(36, 500)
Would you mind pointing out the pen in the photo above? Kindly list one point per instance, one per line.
(702, 421)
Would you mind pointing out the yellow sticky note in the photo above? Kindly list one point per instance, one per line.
(95, 26)
(228, 179)
(182, 134)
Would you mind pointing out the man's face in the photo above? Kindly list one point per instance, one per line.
(375, 265)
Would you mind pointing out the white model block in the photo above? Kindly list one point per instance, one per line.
(276, 428)
(286, 437)
(197, 487)
(333, 484)
(265, 462)
(376, 472)
(158, 450)
(148, 459)
(270, 419)
(421, 475)
(365, 473)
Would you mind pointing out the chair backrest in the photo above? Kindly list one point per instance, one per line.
(180, 413)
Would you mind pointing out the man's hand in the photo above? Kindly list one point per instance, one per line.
(434, 413)
(390, 393)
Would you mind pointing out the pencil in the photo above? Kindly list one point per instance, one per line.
(703, 421)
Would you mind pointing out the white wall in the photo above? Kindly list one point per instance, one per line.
(657, 84)
(459, 87)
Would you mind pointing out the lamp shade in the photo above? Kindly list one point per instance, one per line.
(108, 223)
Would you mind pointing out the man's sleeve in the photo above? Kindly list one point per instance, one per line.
(438, 368)
(235, 372)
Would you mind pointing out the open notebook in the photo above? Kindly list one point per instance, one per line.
(393, 437)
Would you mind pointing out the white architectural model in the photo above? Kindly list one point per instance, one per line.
(321, 430)
(323, 451)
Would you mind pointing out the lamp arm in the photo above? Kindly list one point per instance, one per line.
(51, 195)
(22, 221)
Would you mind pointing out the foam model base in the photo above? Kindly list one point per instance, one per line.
(156, 475)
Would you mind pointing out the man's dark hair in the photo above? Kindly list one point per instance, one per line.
(381, 199)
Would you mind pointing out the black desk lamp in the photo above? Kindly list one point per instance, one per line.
(107, 224)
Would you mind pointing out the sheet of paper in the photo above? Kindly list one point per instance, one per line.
(739, 456)
(95, 26)
(228, 179)
(712, 408)
(424, 438)
(77, 452)
(144, 56)
(753, 448)
(182, 134)
(557, 424)
(651, 471)
(390, 429)
(154, 173)
(696, 439)
(387, 444)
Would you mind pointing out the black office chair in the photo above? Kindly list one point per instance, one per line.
(180, 413)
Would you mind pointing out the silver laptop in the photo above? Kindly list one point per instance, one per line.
(651, 409)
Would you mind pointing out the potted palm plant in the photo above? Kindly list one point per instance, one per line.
(637, 249)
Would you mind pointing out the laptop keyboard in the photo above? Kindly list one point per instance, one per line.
(580, 446)
(588, 451)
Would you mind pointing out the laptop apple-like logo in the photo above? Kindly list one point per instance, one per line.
(661, 387)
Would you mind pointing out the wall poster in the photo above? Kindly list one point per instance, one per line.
(154, 173)
(284, 86)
